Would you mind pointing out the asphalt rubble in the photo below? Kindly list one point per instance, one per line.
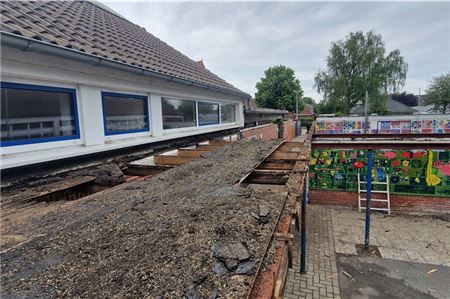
(188, 232)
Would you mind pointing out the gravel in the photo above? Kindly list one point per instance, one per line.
(155, 238)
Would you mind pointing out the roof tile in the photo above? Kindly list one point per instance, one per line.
(88, 28)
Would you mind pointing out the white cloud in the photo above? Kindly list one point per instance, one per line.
(238, 41)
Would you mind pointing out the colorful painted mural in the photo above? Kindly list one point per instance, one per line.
(410, 171)
(411, 126)
(340, 127)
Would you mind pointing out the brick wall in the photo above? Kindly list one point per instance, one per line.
(289, 130)
(407, 203)
(264, 132)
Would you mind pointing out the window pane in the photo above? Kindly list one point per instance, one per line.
(125, 114)
(178, 113)
(228, 114)
(208, 113)
(35, 114)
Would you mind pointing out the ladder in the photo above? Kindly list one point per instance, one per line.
(386, 200)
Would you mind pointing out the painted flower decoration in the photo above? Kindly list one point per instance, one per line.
(390, 154)
(358, 164)
(405, 163)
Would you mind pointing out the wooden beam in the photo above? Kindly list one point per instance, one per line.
(219, 142)
(296, 180)
(277, 164)
(59, 186)
(144, 170)
(290, 149)
(163, 160)
(188, 152)
(207, 147)
(268, 178)
(284, 155)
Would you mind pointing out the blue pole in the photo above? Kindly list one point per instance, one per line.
(368, 197)
(303, 228)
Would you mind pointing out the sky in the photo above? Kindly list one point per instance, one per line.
(239, 40)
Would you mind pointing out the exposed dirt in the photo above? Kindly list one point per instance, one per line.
(152, 238)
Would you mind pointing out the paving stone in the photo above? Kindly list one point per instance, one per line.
(321, 259)
(401, 237)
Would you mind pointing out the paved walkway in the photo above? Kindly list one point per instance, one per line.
(331, 231)
(321, 279)
(421, 239)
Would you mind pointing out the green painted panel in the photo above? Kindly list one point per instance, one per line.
(415, 171)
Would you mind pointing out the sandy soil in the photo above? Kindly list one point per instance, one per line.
(149, 239)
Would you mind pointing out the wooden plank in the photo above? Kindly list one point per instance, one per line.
(269, 178)
(163, 160)
(277, 164)
(291, 146)
(218, 142)
(144, 170)
(61, 186)
(296, 180)
(284, 155)
(284, 237)
(187, 152)
(207, 147)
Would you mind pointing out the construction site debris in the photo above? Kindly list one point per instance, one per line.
(230, 254)
(152, 240)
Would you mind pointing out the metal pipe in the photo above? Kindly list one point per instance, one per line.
(303, 228)
(366, 112)
(28, 44)
(368, 197)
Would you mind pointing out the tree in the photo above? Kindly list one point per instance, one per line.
(356, 64)
(438, 93)
(279, 89)
(309, 101)
(406, 98)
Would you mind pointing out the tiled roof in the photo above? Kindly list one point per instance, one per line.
(393, 107)
(86, 27)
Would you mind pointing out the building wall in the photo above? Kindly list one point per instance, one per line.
(398, 124)
(289, 130)
(406, 203)
(263, 132)
(89, 81)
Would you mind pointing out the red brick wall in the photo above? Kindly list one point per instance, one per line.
(264, 132)
(408, 203)
(289, 130)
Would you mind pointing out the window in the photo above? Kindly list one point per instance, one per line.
(124, 113)
(178, 113)
(208, 113)
(228, 113)
(32, 114)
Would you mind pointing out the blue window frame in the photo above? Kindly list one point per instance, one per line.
(35, 114)
(208, 113)
(125, 113)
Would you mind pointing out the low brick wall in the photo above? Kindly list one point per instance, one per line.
(264, 132)
(289, 130)
(401, 203)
